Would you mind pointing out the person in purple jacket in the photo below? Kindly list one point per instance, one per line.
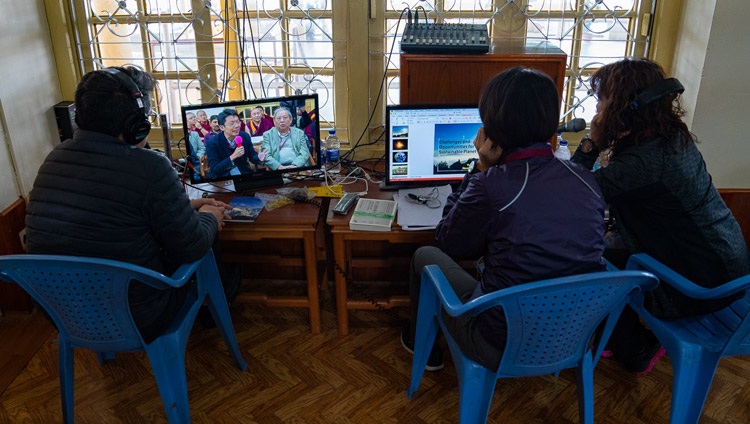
(528, 215)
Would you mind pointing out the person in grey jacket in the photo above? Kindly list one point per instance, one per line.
(285, 146)
(102, 194)
(661, 197)
(529, 215)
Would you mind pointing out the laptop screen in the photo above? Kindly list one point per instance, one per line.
(429, 144)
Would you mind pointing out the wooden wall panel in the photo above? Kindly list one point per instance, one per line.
(12, 221)
(738, 200)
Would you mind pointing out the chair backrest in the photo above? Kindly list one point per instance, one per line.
(551, 324)
(86, 298)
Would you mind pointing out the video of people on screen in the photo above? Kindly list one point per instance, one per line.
(253, 137)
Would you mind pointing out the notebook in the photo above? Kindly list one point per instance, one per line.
(429, 145)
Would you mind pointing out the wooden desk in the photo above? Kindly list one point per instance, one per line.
(298, 221)
(343, 238)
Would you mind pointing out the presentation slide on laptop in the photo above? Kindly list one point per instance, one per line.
(432, 144)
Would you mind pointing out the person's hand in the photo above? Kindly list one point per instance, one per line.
(219, 212)
(197, 203)
(262, 156)
(238, 152)
(287, 166)
(489, 153)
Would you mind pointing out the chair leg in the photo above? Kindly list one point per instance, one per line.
(217, 304)
(424, 337)
(585, 380)
(476, 387)
(167, 357)
(65, 358)
(694, 370)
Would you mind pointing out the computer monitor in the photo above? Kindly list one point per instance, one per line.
(429, 145)
(248, 172)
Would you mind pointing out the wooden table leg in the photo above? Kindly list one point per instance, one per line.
(311, 269)
(339, 255)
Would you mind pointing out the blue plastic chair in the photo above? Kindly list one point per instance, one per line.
(696, 344)
(552, 326)
(87, 299)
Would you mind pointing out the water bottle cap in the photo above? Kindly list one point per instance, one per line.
(332, 132)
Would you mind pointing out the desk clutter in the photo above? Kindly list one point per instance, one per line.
(421, 208)
(418, 209)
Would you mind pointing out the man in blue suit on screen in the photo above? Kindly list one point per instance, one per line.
(231, 151)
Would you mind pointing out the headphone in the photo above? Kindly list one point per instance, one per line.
(136, 127)
(656, 91)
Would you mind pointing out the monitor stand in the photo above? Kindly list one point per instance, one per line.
(255, 183)
(399, 186)
(384, 186)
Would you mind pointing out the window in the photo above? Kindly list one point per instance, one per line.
(203, 51)
(222, 51)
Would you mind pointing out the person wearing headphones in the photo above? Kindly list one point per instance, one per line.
(102, 194)
(662, 199)
(529, 215)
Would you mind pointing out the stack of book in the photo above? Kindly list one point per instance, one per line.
(373, 215)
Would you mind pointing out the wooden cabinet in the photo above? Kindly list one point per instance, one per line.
(440, 79)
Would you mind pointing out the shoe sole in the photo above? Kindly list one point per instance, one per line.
(427, 367)
(659, 353)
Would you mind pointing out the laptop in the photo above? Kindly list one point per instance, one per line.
(429, 145)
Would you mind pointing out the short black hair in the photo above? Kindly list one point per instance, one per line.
(519, 107)
(104, 104)
(212, 117)
(226, 113)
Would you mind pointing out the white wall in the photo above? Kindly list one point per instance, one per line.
(713, 61)
(29, 88)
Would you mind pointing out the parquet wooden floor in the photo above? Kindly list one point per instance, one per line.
(296, 377)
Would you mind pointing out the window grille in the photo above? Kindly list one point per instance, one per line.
(203, 51)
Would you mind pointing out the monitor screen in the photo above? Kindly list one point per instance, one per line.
(429, 144)
(252, 142)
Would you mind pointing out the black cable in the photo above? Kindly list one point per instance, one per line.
(244, 68)
(380, 90)
(378, 305)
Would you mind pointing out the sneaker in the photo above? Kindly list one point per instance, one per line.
(644, 362)
(434, 362)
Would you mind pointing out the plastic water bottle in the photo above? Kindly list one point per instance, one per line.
(332, 149)
(562, 152)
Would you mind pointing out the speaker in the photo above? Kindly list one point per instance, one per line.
(65, 114)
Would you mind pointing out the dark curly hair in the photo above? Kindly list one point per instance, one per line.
(618, 124)
(519, 107)
(104, 104)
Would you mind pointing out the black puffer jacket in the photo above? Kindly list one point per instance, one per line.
(97, 196)
(666, 205)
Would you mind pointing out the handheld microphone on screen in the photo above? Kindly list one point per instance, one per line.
(575, 125)
(238, 140)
